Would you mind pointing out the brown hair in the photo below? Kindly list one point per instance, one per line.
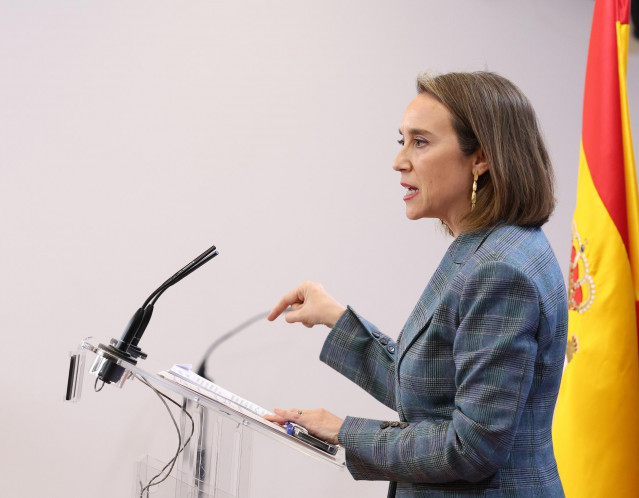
(491, 113)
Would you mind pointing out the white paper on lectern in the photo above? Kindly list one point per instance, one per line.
(207, 390)
(182, 375)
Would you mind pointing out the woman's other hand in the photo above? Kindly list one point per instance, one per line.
(318, 422)
(310, 305)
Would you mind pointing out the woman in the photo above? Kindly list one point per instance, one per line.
(475, 372)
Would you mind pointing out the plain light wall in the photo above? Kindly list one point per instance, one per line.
(134, 134)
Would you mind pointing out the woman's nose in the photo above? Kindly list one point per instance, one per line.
(401, 162)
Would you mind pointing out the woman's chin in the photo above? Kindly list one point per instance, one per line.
(412, 215)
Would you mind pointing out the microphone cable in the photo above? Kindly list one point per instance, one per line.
(201, 369)
(145, 489)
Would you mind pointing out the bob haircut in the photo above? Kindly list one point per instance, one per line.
(490, 113)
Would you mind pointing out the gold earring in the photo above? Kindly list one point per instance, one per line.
(473, 197)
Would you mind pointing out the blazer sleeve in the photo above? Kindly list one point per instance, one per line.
(494, 352)
(360, 352)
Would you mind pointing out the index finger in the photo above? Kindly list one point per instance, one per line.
(292, 297)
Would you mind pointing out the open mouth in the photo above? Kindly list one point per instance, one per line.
(410, 191)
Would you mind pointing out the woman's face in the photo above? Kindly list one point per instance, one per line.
(436, 175)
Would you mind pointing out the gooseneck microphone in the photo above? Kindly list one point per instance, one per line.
(126, 348)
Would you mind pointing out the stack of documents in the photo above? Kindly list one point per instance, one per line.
(207, 390)
(182, 374)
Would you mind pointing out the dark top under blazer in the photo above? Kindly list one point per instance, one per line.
(475, 372)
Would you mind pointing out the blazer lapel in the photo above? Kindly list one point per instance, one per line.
(462, 248)
(421, 315)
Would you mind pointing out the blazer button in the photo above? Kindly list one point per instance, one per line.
(395, 424)
(383, 341)
(403, 425)
(376, 335)
(383, 425)
(391, 348)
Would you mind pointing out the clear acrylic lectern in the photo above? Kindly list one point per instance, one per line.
(216, 462)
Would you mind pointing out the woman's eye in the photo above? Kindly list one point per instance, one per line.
(419, 142)
(401, 142)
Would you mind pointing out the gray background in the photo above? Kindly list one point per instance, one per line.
(134, 134)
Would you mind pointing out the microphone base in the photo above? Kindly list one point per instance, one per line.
(108, 362)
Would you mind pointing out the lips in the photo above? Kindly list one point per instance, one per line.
(411, 191)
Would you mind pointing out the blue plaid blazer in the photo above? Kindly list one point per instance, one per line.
(473, 376)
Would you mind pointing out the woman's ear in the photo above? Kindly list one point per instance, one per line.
(480, 162)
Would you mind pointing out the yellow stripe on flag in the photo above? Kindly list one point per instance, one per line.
(632, 200)
(595, 432)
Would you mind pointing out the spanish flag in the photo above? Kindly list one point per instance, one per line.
(596, 426)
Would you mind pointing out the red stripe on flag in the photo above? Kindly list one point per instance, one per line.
(602, 135)
(623, 11)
